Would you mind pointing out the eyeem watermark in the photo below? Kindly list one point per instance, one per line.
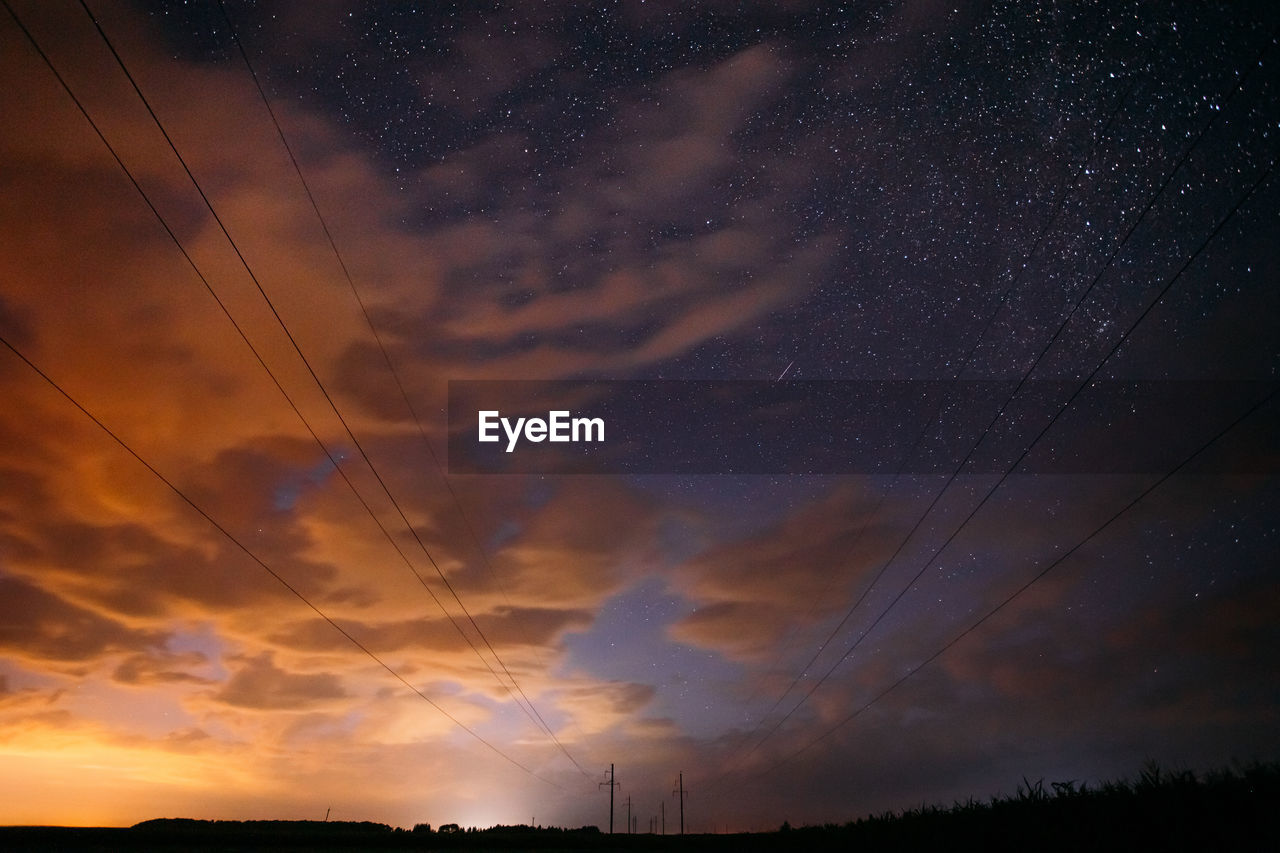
(558, 427)
(876, 427)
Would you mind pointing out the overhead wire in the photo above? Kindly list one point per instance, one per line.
(1214, 113)
(239, 329)
(1044, 431)
(955, 640)
(536, 719)
(1257, 406)
(227, 534)
(868, 517)
(963, 362)
(1086, 383)
(387, 360)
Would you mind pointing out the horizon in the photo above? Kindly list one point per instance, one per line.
(1154, 782)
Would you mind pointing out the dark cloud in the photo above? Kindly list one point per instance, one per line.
(631, 697)
(506, 629)
(258, 684)
(13, 327)
(188, 740)
(131, 571)
(160, 668)
(25, 697)
(617, 698)
(36, 625)
(803, 568)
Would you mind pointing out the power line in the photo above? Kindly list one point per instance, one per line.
(962, 364)
(1214, 112)
(306, 362)
(240, 331)
(217, 299)
(386, 357)
(1085, 384)
(1040, 575)
(245, 549)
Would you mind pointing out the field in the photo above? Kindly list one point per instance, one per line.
(1159, 810)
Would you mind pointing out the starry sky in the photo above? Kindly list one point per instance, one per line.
(239, 579)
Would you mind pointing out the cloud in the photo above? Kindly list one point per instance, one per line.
(259, 684)
(751, 592)
(525, 286)
(160, 668)
(24, 698)
(586, 539)
(600, 706)
(39, 627)
(448, 650)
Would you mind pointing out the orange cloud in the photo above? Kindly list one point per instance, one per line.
(259, 684)
(751, 592)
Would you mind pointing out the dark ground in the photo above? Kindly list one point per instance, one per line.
(1225, 810)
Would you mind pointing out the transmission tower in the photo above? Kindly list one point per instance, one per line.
(612, 783)
(682, 794)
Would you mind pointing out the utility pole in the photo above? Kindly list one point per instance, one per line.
(628, 814)
(663, 804)
(612, 784)
(683, 793)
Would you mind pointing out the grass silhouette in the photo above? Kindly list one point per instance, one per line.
(1231, 809)
(1223, 810)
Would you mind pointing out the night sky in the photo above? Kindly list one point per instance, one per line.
(238, 578)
